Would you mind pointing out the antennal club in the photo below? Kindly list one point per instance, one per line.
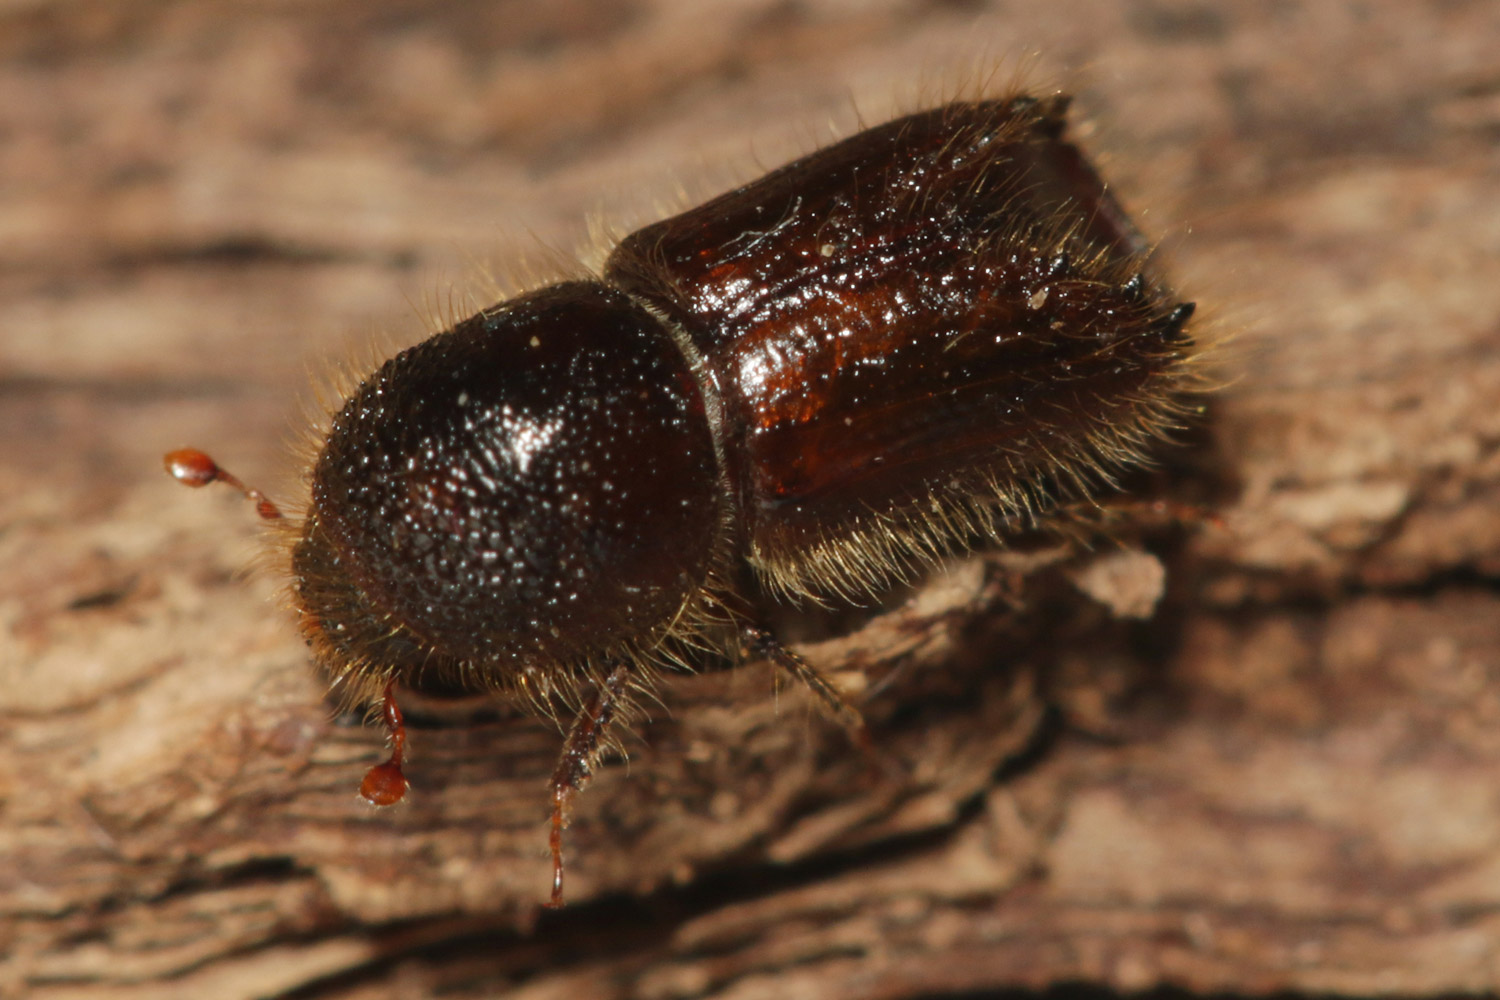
(194, 468)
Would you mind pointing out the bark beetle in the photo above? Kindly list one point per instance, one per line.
(1283, 781)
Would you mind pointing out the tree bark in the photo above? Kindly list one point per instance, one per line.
(1282, 780)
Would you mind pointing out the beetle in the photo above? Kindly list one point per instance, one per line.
(940, 328)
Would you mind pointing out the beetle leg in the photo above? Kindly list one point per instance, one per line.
(764, 643)
(580, 755)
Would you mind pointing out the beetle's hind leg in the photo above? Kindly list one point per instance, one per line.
(580, 755)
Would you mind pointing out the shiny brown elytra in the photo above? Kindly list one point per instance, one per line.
(940, 328)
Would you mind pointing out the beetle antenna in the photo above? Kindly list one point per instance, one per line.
(194, 468)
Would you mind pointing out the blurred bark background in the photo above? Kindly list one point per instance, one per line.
(1285, 780)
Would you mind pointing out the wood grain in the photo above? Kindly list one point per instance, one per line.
(1282, 781)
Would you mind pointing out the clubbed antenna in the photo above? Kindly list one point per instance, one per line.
(194, 468)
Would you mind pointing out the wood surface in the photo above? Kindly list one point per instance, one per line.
(1287, 779)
